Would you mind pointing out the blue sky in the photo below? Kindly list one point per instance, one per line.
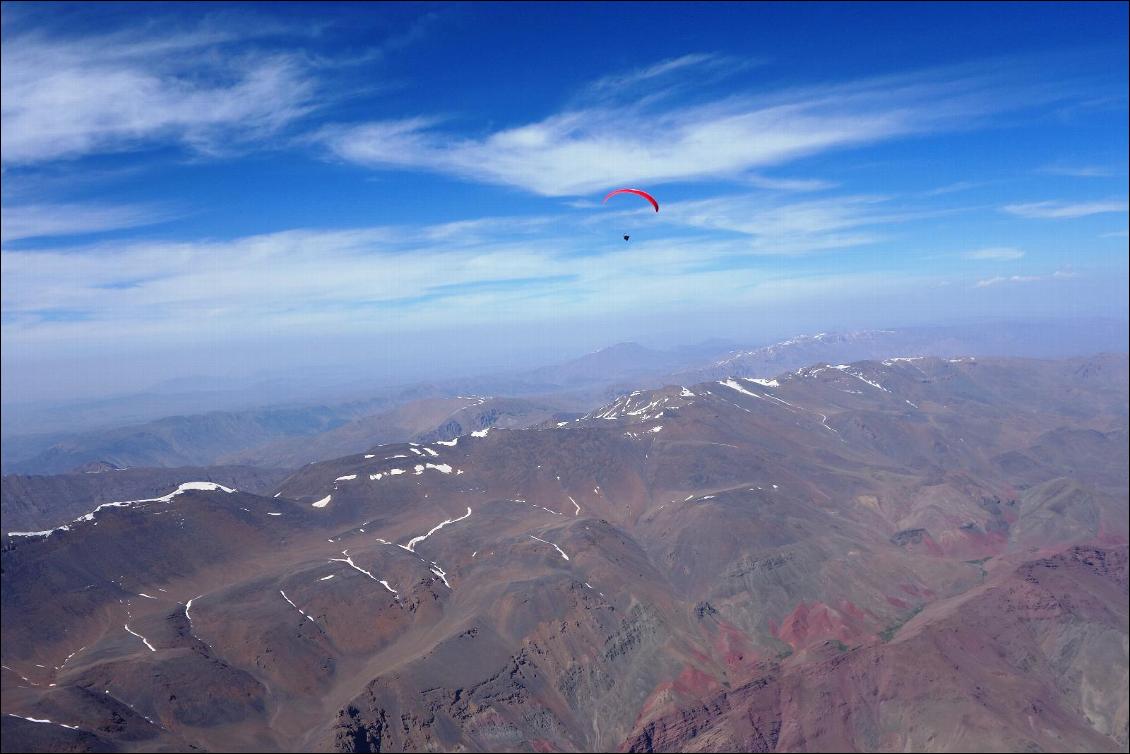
(233, 189)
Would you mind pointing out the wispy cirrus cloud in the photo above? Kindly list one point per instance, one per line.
(67, 97)
(46, 220)
(1081, 171)
(684, 76)
(1060, 210)
(657, 140)
(775, 225)
(994, 254)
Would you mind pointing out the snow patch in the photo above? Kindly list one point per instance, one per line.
(733, 385)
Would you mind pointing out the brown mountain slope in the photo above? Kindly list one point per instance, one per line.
(837, 559)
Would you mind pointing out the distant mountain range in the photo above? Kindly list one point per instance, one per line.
(908, 553)
(294, 434)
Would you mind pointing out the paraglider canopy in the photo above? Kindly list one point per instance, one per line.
(637, 192)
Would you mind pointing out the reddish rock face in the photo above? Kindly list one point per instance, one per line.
(925, 555)
(817, 623)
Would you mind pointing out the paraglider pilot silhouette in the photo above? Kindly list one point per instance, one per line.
(637, 192)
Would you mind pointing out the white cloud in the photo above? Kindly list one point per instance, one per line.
(987, 282)
(775, 226)
(994, 254)
(1055, 210)
(588, 148)
(66, 98)
(1062, 274)
(39, 220)
(369, 280)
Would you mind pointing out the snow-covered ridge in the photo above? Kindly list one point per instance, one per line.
(642, 407)
(185, 487)
(800, 340)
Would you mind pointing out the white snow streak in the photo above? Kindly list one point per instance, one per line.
(411, 546)
(441, 573)
(555, 547)
(45, 720)
(151, 648)
(348, 560)
(296, 607)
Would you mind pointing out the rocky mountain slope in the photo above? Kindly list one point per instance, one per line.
(912, 553)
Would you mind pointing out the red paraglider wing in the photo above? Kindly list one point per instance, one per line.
(637, 192)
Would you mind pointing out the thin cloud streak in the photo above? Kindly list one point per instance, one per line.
(584, 149)
(1056, 210)
(994, 254)
(1012, 279)
(48, 220)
